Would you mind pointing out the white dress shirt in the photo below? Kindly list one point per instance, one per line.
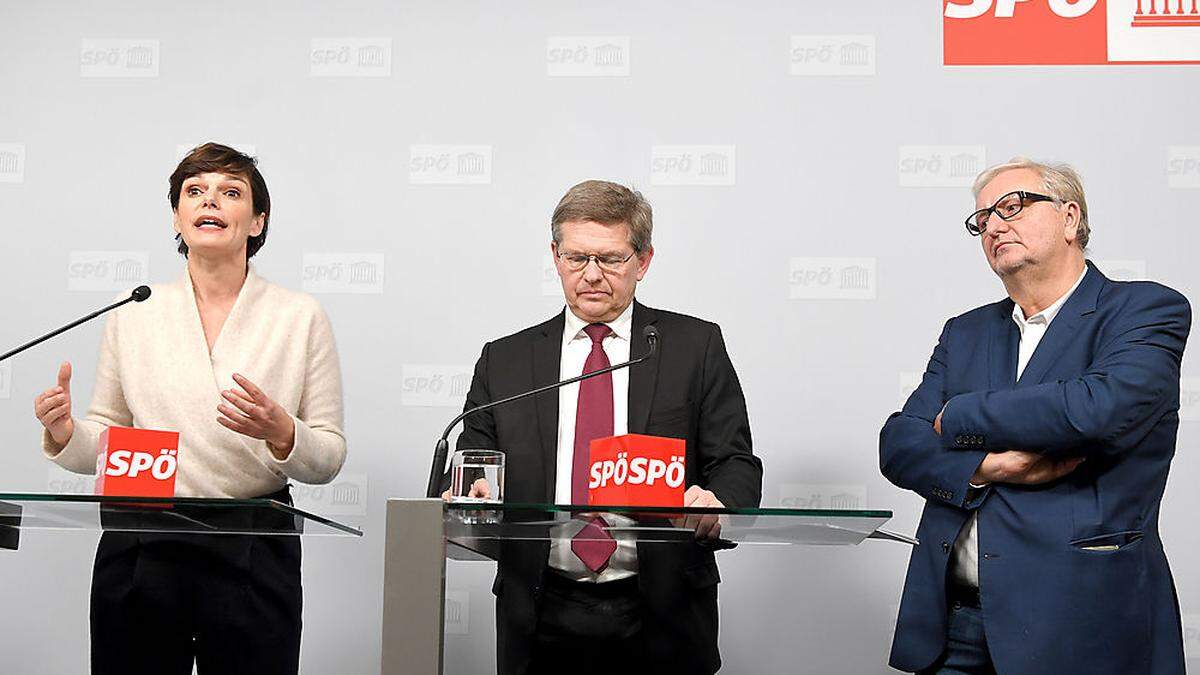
(576, 346)
(1033, 329)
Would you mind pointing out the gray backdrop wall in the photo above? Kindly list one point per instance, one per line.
(808, 165)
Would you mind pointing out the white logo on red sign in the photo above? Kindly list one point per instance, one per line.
(638, 471)
(131, 463)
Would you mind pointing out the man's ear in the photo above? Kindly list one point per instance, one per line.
(1070, 211)
(643, 260)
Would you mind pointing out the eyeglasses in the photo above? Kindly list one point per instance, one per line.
(608, 263)
(1007, 207)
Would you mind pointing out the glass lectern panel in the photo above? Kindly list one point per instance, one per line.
(36, 511)
(476, 530)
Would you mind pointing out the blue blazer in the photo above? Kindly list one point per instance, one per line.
(1103, 383)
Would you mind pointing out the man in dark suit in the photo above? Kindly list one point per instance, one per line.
(560, 607)
(1040, 437)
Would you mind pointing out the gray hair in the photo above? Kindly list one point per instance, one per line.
(608, 204)
(1059, 180)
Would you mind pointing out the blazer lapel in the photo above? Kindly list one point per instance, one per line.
(547, 359)
(1064, 328)
(1002, 349)
(644, 376)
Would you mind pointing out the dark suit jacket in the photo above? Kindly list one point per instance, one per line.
(689, 391)
(1103, 383)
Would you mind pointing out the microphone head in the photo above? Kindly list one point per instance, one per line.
(140, 293)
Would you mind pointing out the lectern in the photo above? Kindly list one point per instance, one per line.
(422, 533)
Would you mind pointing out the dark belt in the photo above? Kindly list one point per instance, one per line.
(960, 595)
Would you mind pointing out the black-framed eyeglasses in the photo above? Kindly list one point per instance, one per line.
(1007, 207)
(608, 263)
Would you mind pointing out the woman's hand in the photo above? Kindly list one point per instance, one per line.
(252, 413)
(53, 407)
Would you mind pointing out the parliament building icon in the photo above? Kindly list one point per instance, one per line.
(1163, 13)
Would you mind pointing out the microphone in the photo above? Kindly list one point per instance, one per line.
(442, 449)
(139, 294)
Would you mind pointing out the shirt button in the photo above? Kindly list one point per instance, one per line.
(945, 547)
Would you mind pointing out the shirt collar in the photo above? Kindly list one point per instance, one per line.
(622, 326)
(1050, 312)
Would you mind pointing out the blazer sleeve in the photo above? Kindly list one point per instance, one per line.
(1132, 382)
(912, 456)
(319, 449)
(108, 409)
(728, 468)
(479, 430)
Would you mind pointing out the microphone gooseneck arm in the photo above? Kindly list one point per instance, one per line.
(138, 295)
(442, 449)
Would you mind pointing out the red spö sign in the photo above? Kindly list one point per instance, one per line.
(137, 462)
(637, 470)
(1070, 32)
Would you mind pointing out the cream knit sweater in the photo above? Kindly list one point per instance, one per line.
(155, 372)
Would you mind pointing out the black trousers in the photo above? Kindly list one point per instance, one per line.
(230, 603)
(589, 629)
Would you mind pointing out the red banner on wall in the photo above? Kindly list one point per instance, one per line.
(1070, 32)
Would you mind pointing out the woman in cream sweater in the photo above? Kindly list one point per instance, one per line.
(247, 372)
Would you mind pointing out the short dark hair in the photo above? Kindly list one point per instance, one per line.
(217, 158)
(608, 204)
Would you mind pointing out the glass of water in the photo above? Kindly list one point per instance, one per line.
(477, 476)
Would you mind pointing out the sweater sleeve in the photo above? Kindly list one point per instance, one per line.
(320, 445)
(108, 408)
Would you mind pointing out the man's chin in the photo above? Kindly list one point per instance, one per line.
(595, 311)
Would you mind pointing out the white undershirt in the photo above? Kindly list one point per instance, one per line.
(1033, 329)
(576, 346)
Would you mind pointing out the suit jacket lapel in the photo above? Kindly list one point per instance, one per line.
(1002, 349)
(547, 360)
(1063, 329)
(644, 376)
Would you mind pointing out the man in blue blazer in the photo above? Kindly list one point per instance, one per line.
(1041, 437)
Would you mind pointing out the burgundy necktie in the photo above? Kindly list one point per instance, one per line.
(593, 419)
